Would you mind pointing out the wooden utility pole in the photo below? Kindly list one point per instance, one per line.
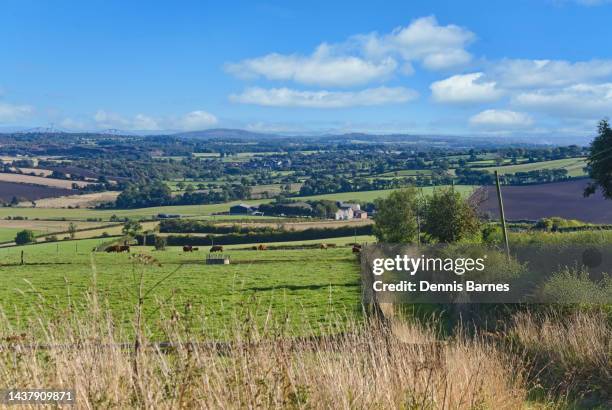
(501, 213)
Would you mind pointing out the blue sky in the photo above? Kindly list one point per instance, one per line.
(540, 68)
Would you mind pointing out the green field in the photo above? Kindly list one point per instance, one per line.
(405, 173)
(327, 282)
(574, 166)
(368, 196)
(141, 213)
(8, 234)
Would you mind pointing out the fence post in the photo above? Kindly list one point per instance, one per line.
(501, 213)
(22, 257)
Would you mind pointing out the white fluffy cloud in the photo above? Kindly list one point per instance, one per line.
(465, 88)
(518, 73)
(196, 120)
(501, 119)
(286, 97)
(11, 112)
(321, 68)
(578, 100)
(424, 40)
(193, 120)
(365, 58)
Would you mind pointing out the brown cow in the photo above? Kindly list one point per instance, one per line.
(187, 248)
(118, 248)
(322, 246)
(356, 249)
(216, 248)
(262, 247)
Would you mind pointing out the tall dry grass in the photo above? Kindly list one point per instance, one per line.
(570, 353)
(368, 365)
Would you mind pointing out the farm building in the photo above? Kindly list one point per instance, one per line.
(349, 211)
(359, 214)
(243, 209)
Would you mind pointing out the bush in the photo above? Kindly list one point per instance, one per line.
(160, 243)
(557, 223)
(24, 237)
(575, 286)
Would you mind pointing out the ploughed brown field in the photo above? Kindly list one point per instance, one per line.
(533, 202)
(8, 190)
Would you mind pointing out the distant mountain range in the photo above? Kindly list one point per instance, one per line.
(405, 138)
(396, 138)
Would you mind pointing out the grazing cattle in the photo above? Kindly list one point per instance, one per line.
(356, 249)
(262, 247)
(187, 248)
(322, 246)
(216, 248)
(118, 248)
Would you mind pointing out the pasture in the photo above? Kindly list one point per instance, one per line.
(369, 196)
(261, 282)
(8, 234)
(105, 214)
(574, 166)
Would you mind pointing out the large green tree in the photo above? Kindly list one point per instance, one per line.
(131, 228)
(449, 217)
(396, 217)
(599, 161)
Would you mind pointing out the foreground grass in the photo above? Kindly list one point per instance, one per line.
(368, 364)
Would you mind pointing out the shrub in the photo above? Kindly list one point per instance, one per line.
(24, 237)
(160, 243)
(574, 286)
